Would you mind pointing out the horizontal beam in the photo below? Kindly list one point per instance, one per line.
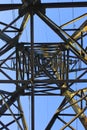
(45, 81)
(61, 81)
(64, 5)
(4, 7)
(9, 6)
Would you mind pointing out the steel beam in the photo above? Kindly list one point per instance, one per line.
(5, 37)
(32, 71)
(63, 5)
(4, 125)
(4, 7)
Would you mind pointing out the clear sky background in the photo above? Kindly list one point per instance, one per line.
(45, 106)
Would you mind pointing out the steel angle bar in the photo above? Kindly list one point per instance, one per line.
(4, 7)
(66, 114)
(20, 70)
(62, 109)
(63, 4)
(32, 71)
(55, 81)
(5, 74)
(85, 126)
(11, 23)
(12, 27)
(8, 68)
(79, 33)
(24, 22)
(45, 90)
(5, 92)
(4, 37)
(41, 94)
(7, 58)
(23, 117)
(3, 125)
(13, 121)
(15, 81)
(78, 78)
(12, 43)
(15, 105)
(12, 99)
(11, 112)
(25, 19)
(65, 123)
(74, 20)
(80, 113)
(82, 29)
(56, 4)
(78, 69)
(8, 114)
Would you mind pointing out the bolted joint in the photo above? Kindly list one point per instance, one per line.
(31, 6)
(23, 10)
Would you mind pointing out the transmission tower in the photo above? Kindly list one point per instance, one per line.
(57, 68)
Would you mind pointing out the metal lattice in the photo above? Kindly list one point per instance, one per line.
(30, 69)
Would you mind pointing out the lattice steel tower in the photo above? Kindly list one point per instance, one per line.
(54, 67)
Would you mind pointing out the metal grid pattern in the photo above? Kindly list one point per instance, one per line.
(42, 68)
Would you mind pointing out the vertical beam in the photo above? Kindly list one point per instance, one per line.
(32, 69)
(67, 71)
